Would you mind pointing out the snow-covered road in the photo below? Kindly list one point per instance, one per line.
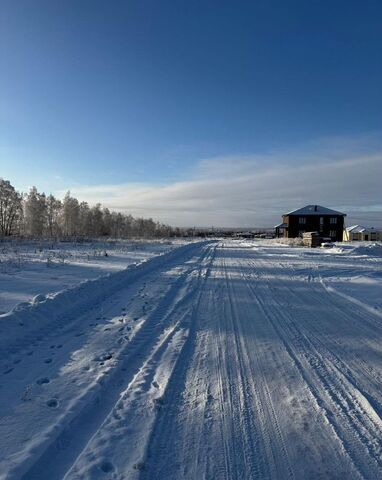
(216, 360)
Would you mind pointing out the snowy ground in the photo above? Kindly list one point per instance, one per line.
(29, 268)
(219, 360)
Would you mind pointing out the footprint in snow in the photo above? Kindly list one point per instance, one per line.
(52, 403)
(48, 360)
(104, 357)
(107, 467)
(42, 381)
(158, 402)
(125, 338)
(139, 466)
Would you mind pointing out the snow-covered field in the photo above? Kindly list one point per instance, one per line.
(216, 360)
(30, 268)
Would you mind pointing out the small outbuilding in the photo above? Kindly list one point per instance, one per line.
(362, 234)
(312, 239)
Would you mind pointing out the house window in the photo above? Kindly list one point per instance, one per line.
(302, 220)
(333, 234)
(333, 220)
(321, 224)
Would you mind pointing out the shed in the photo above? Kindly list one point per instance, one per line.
(363, 234)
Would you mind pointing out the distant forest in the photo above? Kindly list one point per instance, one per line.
(36, 214)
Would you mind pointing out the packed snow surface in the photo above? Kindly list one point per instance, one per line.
(215, 360)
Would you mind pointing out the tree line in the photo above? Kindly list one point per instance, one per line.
(36, 214)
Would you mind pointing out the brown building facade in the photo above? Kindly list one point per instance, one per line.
(312, 218)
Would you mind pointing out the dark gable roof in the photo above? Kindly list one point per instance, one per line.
(315, 210)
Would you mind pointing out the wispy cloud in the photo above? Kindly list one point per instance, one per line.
(255, 190)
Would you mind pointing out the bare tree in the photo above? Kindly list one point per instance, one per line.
(70, 215)
(107, 220)
(10, 208)
(96, 216)
(85, 219)
(53, 210)
(35, 213)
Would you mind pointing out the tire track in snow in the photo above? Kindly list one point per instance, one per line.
(61, 444)
(219, 424)
(156, 459)
(270, 434)
(350, 414)
(33, 323)
(146, 396)
(366, 323)
(206, 369)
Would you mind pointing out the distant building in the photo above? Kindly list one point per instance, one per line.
(312, 218)
(363, 234)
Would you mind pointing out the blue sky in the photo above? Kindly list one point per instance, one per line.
(163, 108)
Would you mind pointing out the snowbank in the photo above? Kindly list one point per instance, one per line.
(359, 249)
(47, 312)
(29, 268)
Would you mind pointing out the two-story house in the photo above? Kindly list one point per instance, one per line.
(312, 218)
